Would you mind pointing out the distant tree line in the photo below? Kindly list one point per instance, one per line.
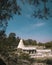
(10, 42)
(47, 45)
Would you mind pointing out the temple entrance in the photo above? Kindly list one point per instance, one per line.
(30, 51)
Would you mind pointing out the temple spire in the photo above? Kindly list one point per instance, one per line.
(21, 44)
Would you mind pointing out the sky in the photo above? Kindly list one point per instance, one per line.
(27, 27)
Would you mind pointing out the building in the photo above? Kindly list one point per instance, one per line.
(26, 49)
(34, 51)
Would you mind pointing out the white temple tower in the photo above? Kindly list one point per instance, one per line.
(21, 44)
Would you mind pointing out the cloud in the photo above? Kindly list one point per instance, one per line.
(39, 24)
(27, 15)
(34, 26)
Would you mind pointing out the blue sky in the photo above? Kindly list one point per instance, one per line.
(27, 27)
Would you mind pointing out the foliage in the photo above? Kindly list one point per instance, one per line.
(30, 42)
(40, 44)
(8, 43)
(10, 7)
(24, 56)
(7, 9)
(48, 61)
(48, 45)
(16, 59)
(42, 9)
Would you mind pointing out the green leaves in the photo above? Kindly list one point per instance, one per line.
(7, 9)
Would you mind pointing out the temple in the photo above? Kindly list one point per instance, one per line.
(34, 51)
(26, 49)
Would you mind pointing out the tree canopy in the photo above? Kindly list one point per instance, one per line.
(7, 9)
(42, 9)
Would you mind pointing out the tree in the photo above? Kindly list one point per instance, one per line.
(10, 7)
(17, 40)
(48, 45)
(12, 35)
(40, 44)
(30, 42)
(11, 41)
(7, 9)
(42, 8)
(3, 42)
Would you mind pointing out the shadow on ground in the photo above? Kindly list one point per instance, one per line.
(2, 62)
